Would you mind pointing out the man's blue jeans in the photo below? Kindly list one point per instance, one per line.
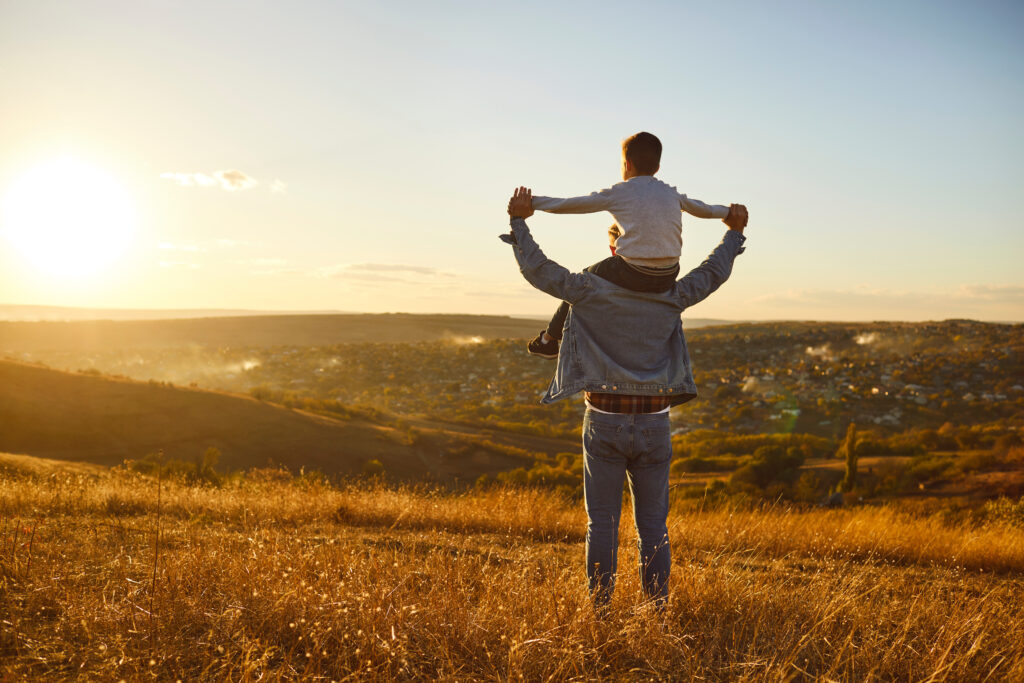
(616, 448)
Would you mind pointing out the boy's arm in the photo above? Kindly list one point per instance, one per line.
(591, 203)
(700, 282)
(697, 208)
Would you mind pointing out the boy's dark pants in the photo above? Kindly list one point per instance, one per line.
(617, 271)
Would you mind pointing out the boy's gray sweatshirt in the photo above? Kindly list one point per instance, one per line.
(647, 212)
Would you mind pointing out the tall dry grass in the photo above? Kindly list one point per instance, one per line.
(279, 578)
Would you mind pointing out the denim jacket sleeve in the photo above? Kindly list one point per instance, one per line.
(542, 272)
(696, 285)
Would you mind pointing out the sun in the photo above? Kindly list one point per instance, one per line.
(68, 218)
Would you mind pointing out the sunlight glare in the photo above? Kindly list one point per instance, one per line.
(68, 218)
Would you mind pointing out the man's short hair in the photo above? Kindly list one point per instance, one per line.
(643, 150)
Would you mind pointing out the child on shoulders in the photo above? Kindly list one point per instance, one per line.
(647, 235)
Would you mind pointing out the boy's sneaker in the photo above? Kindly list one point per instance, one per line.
(544, 349)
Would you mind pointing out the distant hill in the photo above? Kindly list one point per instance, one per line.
(66, 313)
(266, 330)
(29, 313)
(102, 420)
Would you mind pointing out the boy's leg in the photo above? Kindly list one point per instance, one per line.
(604, 471)
(554, 330)
(648, 487)
(618, 272)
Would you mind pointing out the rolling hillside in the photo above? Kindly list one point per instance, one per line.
(103, 420)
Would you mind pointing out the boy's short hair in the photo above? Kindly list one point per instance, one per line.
(614, 233)
(643, 150)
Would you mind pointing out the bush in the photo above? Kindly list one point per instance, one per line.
(907, 443)
(266, 393)
(808, 488)
(925, 467)
(204, 472)
(1005, 511)
(200, 471)
(975, 462)
(771, 464)
(1005, 442)
(543, 476)
(711, 464)
(373, 468)
(708, 443)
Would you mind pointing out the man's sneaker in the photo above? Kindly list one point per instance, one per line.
(544, 349)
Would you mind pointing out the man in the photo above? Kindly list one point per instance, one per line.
(627, 352)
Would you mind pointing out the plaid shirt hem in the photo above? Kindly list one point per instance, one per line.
(627, 403)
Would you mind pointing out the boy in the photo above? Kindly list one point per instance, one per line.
(646, 248)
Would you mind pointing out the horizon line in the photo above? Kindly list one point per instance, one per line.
(196, 313)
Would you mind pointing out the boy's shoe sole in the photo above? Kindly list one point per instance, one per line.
(543, 349)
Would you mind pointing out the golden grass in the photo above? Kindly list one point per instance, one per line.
(289, 579)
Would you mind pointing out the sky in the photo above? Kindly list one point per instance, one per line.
(359, 156)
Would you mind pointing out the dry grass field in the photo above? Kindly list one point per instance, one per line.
(107, 574)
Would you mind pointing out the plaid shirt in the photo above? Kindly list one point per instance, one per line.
(627, 403)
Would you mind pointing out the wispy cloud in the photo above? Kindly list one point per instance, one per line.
(230, 180)
(169, 246)
(385, 272)
(1000, 293)
(230, 244)
(970, 301)
(234, 180)
(397, 268)
(211, 245)
(190, 179)
(266, 261)
(181, 265)
(513, 290)
(271, 266)
(278, 186)
(965, 293)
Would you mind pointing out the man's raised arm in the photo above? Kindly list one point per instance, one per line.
(700, 282)
(538, 269)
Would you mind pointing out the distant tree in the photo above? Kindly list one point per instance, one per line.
(849, 451)
(727, 392)
(968, 439)
(807, 487)
(1006, 441)
(769, 464)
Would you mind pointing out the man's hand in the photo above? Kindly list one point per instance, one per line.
(521, 203)
(737, 218)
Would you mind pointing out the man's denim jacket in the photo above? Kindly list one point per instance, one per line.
(616, 340)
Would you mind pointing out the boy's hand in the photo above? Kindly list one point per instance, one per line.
(521, 203)
(737, 218)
